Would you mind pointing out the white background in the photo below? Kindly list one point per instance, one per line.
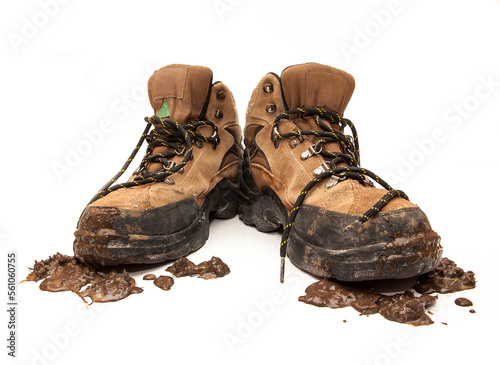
(66, 68)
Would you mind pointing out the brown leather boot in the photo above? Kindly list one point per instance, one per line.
(191, 169)
(301, 172)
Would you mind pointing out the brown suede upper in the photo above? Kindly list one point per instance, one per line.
(282, 169)
(316, 85)
(186, 88)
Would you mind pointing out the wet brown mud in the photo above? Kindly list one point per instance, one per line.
(214, 268)
(409, 307)
(446, 278)
(463, 302)
(65, 273)
(164, 282)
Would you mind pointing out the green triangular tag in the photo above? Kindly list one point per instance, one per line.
(164, 111)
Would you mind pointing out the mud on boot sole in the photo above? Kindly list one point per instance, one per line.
(328, 252)
(374, 261)
(106, 246)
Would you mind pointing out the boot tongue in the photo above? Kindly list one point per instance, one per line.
(316, 85)
(180, 92)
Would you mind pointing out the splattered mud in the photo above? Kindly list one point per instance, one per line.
(446, 278)
(215, 268)
(65, 273)
(463, 302)
(164, 282)
(407, 307)
(111, 287)
(403, 308)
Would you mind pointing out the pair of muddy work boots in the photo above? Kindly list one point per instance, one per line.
(300, 172)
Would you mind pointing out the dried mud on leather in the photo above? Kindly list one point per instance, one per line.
(65, 273)
(407, 307)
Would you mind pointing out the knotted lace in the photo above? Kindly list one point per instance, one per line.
(179, 140)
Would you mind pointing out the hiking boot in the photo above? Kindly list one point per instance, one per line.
(191, 169)
(301, 173)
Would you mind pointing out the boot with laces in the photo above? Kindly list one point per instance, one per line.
(191, 170)
(301, 172)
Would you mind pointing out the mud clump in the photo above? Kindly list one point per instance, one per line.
(149, 277)
(65, 273)
(332, 294)
(164, 282)
(446, 278)
(214, 268)
(403, 308)
(61, 273)
(111, 287)
(407, 307)
(463, 302)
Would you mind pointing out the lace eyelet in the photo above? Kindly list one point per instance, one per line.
(139, 170)
(334, 180)
(198, 143)
(221, 95)
(367, 182)
(271, 108)
(294, 143)
(169, 181)
(268, 88)
(169, 165)
(181, 152)
(320, 169)
(311, 151)
(219, 114)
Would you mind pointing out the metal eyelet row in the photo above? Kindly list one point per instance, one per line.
(221, 96)
(311, 151)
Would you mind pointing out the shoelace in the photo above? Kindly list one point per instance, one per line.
(349, 155)
(168, 133)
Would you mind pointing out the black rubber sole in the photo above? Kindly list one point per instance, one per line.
(329, 252)
(107, 246)
(373, 261)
